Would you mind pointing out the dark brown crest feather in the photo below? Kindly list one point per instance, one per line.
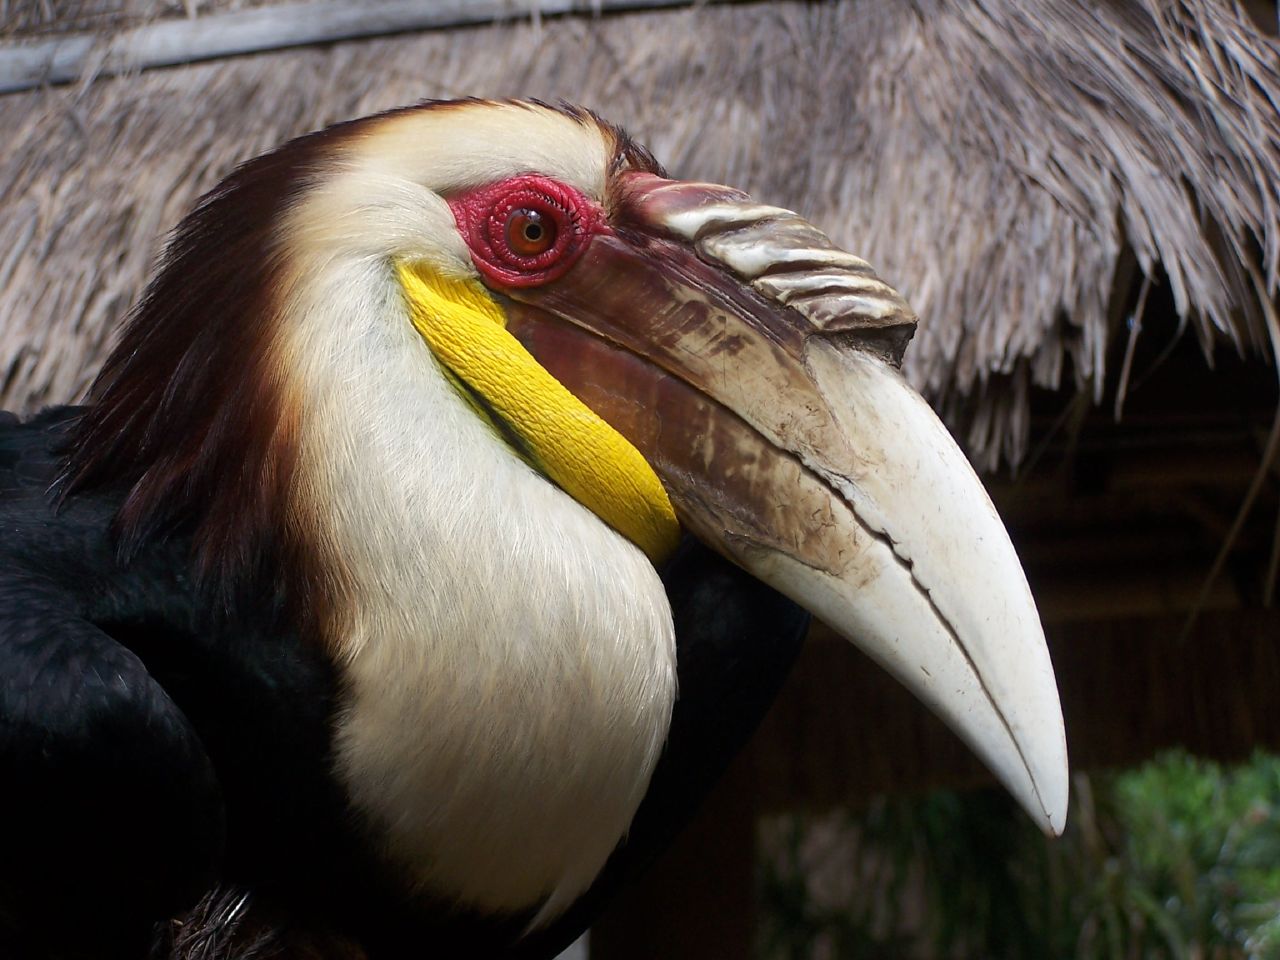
(188, 419)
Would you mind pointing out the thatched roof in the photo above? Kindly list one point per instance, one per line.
(1005, 162)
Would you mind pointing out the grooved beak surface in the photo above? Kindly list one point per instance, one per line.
(755, 367)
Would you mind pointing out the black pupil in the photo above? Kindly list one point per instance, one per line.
(533, 231)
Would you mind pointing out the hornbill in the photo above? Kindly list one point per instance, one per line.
(411, 569)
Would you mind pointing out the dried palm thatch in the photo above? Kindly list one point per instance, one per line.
(1002, 161)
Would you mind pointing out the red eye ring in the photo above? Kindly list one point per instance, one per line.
(527, 230)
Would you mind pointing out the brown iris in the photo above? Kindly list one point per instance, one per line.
(529, 232)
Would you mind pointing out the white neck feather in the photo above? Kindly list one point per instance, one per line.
(510, 659)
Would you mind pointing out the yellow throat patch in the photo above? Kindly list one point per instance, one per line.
(561, 436)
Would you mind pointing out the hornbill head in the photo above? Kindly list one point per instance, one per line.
(477, 363)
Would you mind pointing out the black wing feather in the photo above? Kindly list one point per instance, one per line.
(110, 813)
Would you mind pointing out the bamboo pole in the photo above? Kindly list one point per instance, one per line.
(163, 43)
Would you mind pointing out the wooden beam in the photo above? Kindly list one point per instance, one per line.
(164, 43)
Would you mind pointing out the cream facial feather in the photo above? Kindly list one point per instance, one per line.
(509, 658)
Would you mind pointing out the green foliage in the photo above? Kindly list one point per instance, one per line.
(1178, 859)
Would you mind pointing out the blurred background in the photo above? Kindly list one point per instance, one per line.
(1081, 199)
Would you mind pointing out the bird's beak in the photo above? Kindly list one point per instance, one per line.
(756, 368)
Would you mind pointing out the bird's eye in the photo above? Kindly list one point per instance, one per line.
(529, 233)
(527, 230)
